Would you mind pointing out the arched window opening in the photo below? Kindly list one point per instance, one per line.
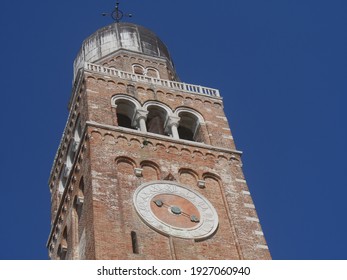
(151, 72)
(189, 127)
(125, 113)
(156, 119)
(138, 69)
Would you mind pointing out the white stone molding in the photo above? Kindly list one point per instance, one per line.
(143, 197)
(138, 172)
(157, 104)
(201, 184)
(117, 97)
(180, 110)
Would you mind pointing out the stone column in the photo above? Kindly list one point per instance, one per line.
(172, 125)
(140, 119)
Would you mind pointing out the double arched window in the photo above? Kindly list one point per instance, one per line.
(146, 71)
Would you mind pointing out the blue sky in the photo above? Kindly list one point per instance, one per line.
(280, 66)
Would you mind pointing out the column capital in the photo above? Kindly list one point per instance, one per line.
(140, 119)
(140, 113)
(172, 125)
(173, 120)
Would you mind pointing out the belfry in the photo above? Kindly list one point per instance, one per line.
(147, 167)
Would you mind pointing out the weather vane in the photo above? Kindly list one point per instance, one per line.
(117, 14)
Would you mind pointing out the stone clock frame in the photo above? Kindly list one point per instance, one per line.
(201, 228)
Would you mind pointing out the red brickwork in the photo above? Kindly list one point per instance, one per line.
(114, 161)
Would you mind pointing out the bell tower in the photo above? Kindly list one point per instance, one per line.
(147, 167)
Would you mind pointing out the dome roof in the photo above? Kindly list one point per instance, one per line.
(117, 36)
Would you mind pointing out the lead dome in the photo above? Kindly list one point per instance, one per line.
(117, 36)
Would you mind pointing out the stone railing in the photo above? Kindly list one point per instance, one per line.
(155, 81)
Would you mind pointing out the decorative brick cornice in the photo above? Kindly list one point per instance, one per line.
(159, 137)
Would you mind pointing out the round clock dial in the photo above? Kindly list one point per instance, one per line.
(175, 210)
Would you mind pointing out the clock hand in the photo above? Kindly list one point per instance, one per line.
(176, 210)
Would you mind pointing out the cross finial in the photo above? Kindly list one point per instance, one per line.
(117, 14)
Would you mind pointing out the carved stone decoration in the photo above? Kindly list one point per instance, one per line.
(138, 172)
(175, 210)
(169, 177)
(201, 184)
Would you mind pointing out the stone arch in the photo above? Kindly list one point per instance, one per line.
(135, 142)
(127, 160)
(160, 147)
(138, 69)
(109, 138)
(101, 80)
(152, 72)
(170, 95)
(186, 151)
(150, 93)
(126, 108)
(188, 177)
(139, 88)
(96, 133)
(211, 175)
(223, 159)
(198, 154)
(111, 83)
(173, 149)
(122, 140)
(158, 114)
(190, 124)
(208, 103)
(91, 78)
(121, 87)
(125, 171)
(217, 105)
(151, 170)
(210, 156)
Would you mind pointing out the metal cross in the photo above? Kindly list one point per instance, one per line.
(117, 14)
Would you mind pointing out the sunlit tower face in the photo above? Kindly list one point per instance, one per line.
(147, 161)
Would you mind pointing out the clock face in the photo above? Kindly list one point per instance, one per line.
(175, 210)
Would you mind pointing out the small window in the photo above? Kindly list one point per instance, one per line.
(134, 242)
(151, 72)
(138, 69)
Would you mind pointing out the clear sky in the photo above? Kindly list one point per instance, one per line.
(280, 66)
